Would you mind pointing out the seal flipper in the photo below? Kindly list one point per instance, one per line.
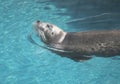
(115, 58)
(76, 56)
(80, 58)
(73, 56)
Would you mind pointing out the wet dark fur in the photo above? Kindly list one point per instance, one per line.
(100, 43)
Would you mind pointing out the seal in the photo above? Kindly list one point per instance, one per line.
(79, 45)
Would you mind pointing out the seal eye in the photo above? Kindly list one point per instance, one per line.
(49, 26)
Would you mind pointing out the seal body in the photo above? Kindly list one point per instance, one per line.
(100, 43)
(77, 45)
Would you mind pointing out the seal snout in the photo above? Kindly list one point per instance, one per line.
(38, 25)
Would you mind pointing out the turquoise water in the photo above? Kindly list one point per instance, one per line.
(24, 63)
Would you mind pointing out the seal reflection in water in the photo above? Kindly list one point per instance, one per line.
(79, 45)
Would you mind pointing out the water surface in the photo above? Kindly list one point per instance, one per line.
(24, 63)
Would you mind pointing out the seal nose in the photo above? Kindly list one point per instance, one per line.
(36, 24)
(38, 21)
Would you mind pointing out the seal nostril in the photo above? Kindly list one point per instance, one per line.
(38, 21)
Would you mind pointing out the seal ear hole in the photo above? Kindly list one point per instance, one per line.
(92, 49)
(52, 33)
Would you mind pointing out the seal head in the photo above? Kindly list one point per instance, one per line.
(49, 33)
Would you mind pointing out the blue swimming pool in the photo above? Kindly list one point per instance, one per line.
(21, 62)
